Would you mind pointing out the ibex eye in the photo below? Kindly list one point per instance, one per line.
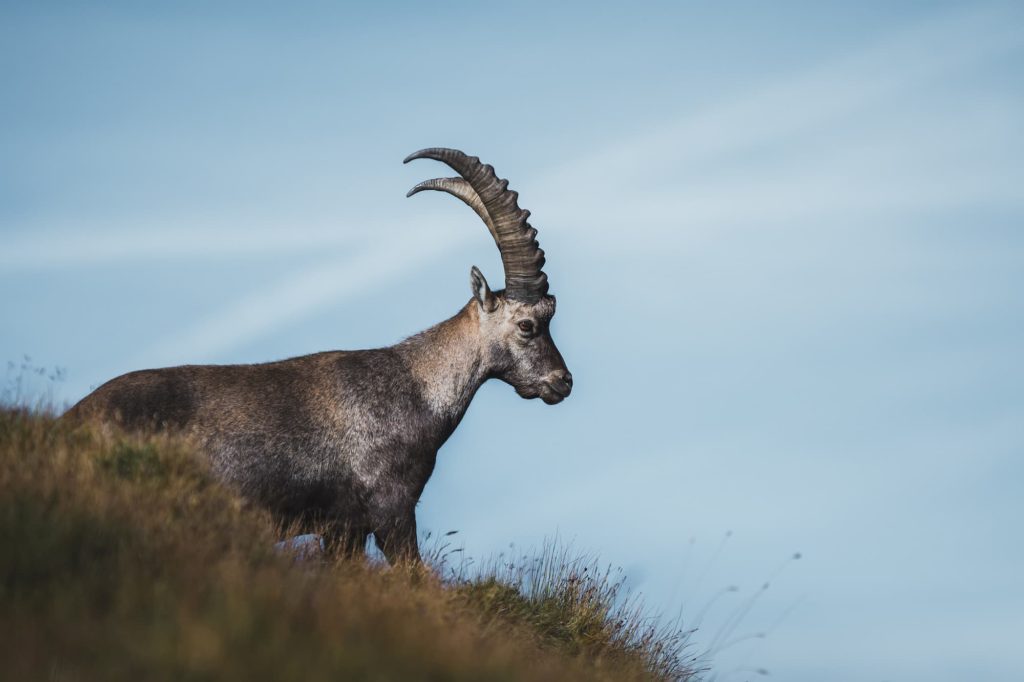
(526, 326)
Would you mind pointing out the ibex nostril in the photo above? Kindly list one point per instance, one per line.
(568, 378)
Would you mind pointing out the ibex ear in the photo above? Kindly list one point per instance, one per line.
(483, 294)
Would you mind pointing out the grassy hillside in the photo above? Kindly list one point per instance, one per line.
(120, 558)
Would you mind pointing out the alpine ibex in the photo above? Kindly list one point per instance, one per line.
(348, 439)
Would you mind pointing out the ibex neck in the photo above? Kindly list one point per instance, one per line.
(448, 362)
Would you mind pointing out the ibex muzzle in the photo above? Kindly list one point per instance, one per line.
(348, 439)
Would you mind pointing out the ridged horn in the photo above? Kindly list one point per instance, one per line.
(521, 255)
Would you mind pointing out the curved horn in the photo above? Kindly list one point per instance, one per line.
(516, 239)
(461, 189)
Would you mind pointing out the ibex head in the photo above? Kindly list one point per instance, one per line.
(515, 322)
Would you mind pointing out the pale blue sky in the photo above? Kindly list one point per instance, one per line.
(786, 241)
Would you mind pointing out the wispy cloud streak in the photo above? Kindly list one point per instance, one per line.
(917, 55)
(94, 244)
(294, 298)
(891, 171)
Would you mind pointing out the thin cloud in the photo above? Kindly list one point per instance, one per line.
(925, 52)
(92, 243)
(301, 295)
(881, 170)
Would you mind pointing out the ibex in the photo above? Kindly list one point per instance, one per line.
(348, 439)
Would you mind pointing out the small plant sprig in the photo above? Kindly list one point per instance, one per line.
(31, 386)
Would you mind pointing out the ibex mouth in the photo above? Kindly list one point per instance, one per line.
(553, 393)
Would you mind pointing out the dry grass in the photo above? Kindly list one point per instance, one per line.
(121, 558)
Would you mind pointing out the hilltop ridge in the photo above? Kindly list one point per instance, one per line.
(124, 559)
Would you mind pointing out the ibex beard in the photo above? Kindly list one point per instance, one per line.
(347, 440)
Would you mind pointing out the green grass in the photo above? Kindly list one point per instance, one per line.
(122, 558)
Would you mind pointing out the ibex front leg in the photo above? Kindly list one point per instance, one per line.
(397, 539)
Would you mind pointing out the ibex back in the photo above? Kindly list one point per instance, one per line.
(348, 439)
